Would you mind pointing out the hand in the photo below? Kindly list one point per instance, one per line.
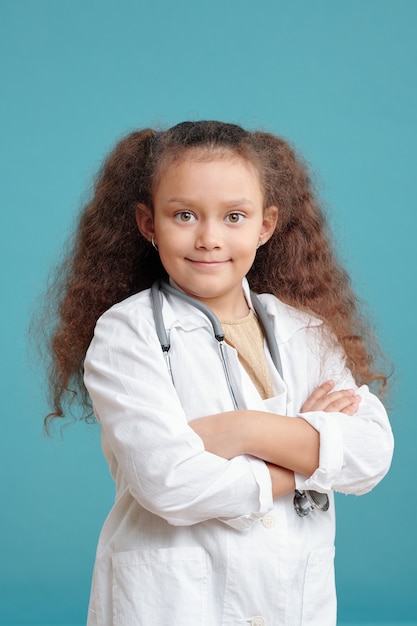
(324, 399)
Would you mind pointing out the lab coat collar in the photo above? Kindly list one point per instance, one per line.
(285, 319)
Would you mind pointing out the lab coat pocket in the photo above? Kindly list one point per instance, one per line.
(160, 587)
(319, 596)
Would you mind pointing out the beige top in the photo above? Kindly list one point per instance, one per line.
(245, 335)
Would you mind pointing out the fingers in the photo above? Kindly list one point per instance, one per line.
(324, 399)
(317, 396)
(344, 401)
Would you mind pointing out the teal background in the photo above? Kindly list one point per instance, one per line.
(338, 78)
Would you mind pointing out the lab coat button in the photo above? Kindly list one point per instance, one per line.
(268, 521)
(258, 621)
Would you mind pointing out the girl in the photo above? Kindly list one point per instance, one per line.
(225, 460)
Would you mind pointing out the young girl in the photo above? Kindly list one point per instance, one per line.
(225, 453)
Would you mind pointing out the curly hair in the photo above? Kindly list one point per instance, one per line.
(110, 260)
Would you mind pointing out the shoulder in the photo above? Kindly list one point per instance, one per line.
(125, 330)
(132, 314)
(136, 305)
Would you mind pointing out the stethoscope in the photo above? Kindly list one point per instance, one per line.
(304, 501)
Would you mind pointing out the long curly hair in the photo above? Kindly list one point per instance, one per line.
(110, 260)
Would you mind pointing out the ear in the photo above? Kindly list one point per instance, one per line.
(144, 220)
(269, 223)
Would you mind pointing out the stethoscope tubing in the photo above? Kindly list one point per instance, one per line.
(156, 296)
(304, 501)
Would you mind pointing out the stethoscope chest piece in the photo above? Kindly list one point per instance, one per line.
(307, 501)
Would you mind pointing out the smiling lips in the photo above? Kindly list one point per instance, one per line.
(204, 263)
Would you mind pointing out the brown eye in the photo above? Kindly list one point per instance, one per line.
(185, 216)
(235, 218)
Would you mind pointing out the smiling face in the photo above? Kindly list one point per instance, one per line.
(208, 221)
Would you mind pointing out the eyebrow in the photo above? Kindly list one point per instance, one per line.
(230, 204)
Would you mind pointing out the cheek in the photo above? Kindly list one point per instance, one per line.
(170, 249)
(252, 241)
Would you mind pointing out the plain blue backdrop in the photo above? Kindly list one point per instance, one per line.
(338, 78)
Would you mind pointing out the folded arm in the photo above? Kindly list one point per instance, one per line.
(287, 444)
(159, 459)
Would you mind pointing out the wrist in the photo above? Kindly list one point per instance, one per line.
(282, 480)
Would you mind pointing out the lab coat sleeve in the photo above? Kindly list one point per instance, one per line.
(355, 451)
(162, 459)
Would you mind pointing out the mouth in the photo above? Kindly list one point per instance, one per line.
(207, 263)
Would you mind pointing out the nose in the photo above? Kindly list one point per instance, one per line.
(208, 236)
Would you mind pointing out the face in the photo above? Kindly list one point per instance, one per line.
(208, 221)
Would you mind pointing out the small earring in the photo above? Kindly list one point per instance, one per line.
(153, 243)
(259, 244)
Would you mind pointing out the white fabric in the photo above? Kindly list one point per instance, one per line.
(194, 539)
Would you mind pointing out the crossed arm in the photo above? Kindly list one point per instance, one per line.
(286, 444)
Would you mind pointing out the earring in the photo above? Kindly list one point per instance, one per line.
(153, 243)
(259, 244)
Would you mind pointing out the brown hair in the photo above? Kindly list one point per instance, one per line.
(110, 260)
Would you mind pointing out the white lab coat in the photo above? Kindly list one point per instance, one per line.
(192, 538)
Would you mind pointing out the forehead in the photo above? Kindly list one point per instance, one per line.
(196, 163)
